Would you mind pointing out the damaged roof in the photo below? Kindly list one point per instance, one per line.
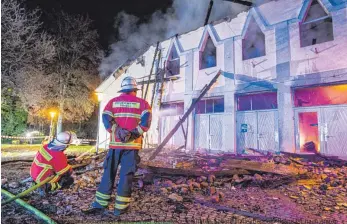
(267, 14)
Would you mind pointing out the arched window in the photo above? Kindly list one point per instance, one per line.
(173, 63)
(208, 57)
(253, 44)
(316, 27)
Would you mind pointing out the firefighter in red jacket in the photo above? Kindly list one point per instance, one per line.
(50, 160)
(126, 118)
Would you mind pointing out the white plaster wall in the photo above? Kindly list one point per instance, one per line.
(190, 40)
(231, 28)
(261, 67)
(177, 86)
(280, 10)
(331, 55)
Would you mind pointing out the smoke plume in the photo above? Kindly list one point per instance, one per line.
(183, 16)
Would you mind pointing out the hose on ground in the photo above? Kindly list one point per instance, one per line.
(30, 208)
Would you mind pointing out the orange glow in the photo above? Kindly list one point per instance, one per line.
(308, 128)
(99, 95)
(52, 113)
(322, 95)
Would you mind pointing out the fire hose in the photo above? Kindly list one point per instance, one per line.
(27, 191)
(30, 208)
(46, 180)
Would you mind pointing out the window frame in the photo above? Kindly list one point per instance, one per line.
(203, 50)
(169, 105)
(303, 22)
(174, 60)
(244, 39)
(213, 106)
(251, 101)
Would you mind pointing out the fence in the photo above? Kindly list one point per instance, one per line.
(36, 140)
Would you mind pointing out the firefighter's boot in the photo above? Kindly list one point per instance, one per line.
(118, 212)
(94, 208)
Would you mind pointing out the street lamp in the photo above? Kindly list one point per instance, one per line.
(99, 95)
(52, 113)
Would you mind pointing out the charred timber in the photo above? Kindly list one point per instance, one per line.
(192, 172)
(185, 116)
(246, 3)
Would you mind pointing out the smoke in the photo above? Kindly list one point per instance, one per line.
(183, 16)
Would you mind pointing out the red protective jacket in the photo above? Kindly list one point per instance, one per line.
(47, 163)
(128, 112)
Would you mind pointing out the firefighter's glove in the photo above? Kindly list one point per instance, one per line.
(134, 134)
(123, 135)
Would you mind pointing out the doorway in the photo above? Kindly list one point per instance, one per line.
(308, 132)
(257, 130)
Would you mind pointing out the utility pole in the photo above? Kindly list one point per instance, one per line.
(61, 110)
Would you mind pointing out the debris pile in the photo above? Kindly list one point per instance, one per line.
(182, 188)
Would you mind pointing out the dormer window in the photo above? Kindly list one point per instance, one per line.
(208, 54)
(317, 26)
(173, 63)
(253, 44)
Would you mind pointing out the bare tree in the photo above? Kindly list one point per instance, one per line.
(25, 52)
(24, 47)
(75, 66)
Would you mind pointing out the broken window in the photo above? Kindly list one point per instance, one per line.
(253, 44)
(208, 106)
(322, 95)
(258, 101)
(317, 26)
(171, 109)
(308, 132)
(173, 63)
(208, 57)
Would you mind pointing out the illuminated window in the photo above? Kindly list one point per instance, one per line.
(317, 26)
(253, 44)
(259, 101)
(208, 55)
(173, 63)
(171, 109)
(208, 106)
(322, 95)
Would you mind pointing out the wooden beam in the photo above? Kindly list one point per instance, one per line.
(192, 172)
(241, 2)
(208, 12)
(150, 73)
(185, 116)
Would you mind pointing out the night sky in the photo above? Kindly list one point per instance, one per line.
(102, 12)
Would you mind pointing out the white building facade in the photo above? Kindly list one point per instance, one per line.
(283, 86)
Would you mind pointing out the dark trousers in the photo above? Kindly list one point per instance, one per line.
(128, 159)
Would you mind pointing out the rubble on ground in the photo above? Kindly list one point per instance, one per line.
(316, 191)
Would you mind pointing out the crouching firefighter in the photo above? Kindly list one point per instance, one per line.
(50, 160)
(126, 118)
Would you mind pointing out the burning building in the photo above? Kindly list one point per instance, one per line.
(283, 86)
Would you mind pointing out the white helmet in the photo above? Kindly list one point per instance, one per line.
(128, 85)
(64, 138)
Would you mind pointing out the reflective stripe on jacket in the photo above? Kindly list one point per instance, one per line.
(47, 163)
(128, 112)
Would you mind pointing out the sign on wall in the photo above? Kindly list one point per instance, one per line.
(243, 128)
